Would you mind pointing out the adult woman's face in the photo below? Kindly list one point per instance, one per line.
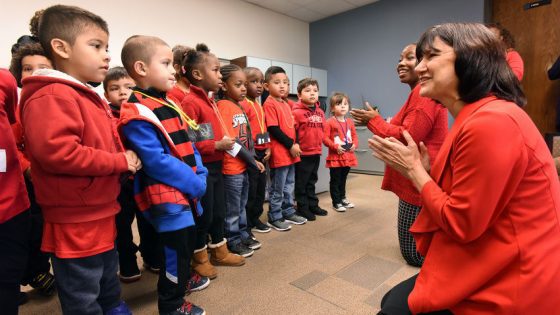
(436, 73)
(406, 65)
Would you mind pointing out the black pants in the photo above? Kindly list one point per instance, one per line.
(395, 302)
(214, 205)
(148, 235)
(14, 246)
(38, 261)
(338, 183)
(176, 248)
(257, 189)
(306, 178)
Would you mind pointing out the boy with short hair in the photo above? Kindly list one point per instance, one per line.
(76, 160)
(285, 151)
(173, 179)
(309, 119)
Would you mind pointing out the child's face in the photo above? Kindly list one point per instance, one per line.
(234, 86)
(160, 73)
(341, 108)
(278, 85)
(118, 91)
(34, 62)
(255, 81)
(88, 59)
(309, 95)
(211, 78)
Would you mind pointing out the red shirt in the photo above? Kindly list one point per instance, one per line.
(13, 195)
(309, 128)
(257, 121)
(489, 226)
(280, 114)
(515, 62)
(198, 106)
(337, 133)
(426, 121)
(176, 94)
(236, 123)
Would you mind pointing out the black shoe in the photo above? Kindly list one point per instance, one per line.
(130, 277)
(152, 268)
(251, 243)
(241, 250)
(319, 211)
(44, 283)
(306, 213)
(22, 298)
(261, 227)
(251, 235)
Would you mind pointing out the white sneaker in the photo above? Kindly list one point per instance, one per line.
(339, 207)
(346, 203)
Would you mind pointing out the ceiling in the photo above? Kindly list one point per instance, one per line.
(310, 10)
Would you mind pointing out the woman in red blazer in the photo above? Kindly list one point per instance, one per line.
(489, 227)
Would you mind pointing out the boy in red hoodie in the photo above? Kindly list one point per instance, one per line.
(76, 160)
(309, 119)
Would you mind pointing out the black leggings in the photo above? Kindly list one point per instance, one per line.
(211, 222)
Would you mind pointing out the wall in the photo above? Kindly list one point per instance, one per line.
(231, 28)
(360, 48)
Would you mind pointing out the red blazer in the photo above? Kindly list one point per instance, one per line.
(334, 129)
(489, 227)
(426, 121)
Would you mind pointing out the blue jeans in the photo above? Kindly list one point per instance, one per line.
(237, 192)
(281, 194)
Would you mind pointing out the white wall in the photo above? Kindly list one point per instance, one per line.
(230, 28)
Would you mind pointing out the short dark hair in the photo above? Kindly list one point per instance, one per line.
(114, 74)
(32, 49)
(272, 71)
(139, 48)
(194, 58)
(66, 23)
(303, 83)
(506, 35)
(480, 63)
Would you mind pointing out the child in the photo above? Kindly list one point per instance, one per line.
(309, 118)
(25, 60)
(181, 88)
(236, 182)
(261, 141)
(173, 179)
(285, 151)
(76, 160)
(118, 88)
(202, 69)
(342, 140)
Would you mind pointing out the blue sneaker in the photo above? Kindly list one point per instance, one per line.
(197, 283)
(188, 309)
(121, 309)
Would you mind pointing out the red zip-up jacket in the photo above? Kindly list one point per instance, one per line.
(309, 127)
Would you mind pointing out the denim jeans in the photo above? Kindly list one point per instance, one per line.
(237, 192)
(281, 194)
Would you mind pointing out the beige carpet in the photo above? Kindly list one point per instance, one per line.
(339, 264)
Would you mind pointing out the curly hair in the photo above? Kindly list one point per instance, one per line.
(193, 59)
(507, 37)
(32, 49)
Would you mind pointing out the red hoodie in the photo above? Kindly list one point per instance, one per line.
(13, 195)
(309, 127)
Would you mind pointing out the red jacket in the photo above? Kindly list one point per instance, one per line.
(13, 195)
(176, 94)
(489, 227)
(198, 106)
(309, 127)
(426, 121)
(337, 133)
(73, 146)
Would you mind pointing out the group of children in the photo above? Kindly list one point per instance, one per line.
(180, 132)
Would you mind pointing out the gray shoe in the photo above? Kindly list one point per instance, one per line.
(279, 225)
(295, 219)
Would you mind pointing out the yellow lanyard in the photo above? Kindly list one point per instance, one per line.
(261, 123)
(191, 122)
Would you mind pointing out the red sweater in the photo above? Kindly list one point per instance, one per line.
(515, 62)
(198, 106)
(309, 127)
(335, 134)
(73, 146)
(426, 121)
(13, 195)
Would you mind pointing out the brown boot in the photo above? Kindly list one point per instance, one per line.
(221, 256)
(201, 265)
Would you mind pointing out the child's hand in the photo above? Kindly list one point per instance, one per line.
(352, 148)
(295, 151)
(225, 144)
(261, 167)
(340, 150)
(267, 154)
(134, 163)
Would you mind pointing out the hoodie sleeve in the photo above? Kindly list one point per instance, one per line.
(144, 139)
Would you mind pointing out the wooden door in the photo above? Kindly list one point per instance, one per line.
(537, 36)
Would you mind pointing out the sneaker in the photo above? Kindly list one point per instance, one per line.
(121, 309)
(319, 211)
(251, 243)
(296, 219)
(241, 250)
(251, 235)
(187, 309)
(44, 283)
(339, 207)
(280, 225)
(197, 283)
(152, 268)
(306, 213)
(347, 204)
(261, 227)
(129, 278)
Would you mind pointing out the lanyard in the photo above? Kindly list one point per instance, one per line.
(217, 112)
(344, 131)
(261, 123)
(191, 122)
